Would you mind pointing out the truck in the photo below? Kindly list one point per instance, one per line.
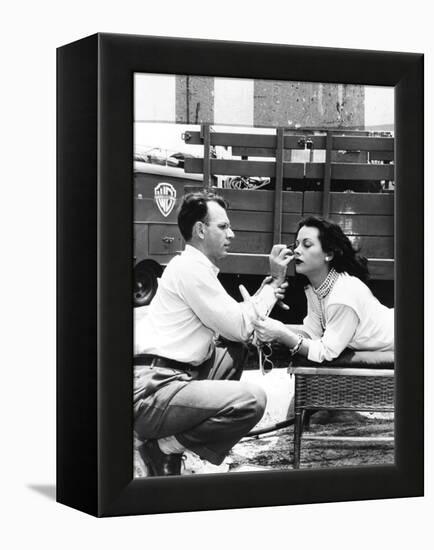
(271, 180)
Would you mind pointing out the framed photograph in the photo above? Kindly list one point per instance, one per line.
(282, 133)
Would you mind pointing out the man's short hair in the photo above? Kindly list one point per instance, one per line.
(194, 208)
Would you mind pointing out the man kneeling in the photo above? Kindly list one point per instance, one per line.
(187, 389)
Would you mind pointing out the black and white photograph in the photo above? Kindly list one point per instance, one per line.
(213, 216)
(263, 275)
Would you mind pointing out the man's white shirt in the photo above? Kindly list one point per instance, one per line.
(191, 308)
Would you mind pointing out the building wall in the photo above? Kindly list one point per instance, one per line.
(244, 102)
(268, 103)
(308, 104)
(194, 99)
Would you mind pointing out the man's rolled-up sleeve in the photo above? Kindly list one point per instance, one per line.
(220, 312)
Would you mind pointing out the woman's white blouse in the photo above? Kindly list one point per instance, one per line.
(348, 317)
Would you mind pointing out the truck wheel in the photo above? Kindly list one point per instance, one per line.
(146, 274)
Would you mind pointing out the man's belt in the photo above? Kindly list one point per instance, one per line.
(158, 361)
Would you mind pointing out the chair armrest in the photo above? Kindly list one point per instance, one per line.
(353, 360)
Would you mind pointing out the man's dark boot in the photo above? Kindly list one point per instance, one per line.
(158, 463)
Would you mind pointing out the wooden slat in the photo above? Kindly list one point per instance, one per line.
(289, 155)
(314, 170)
(290, 222)
(261, 243)
(258, 264)
(277, 215)
(382, 155)
(351, 171)
(373, 247)
(245, 220)
(261, 141)
(365, 225)
(232, 167)
(232, 139)
(248, 264)
(206, 155)
(253, 152)
(362, 225)
(292, 202)
(351, 203)
(345, 143)
(260, 200)
(261, 221)
(224, 167)
(252, 241)
(268, 141)
(382, 269)
(349, 157)
(355, 143)
(255, 242)
(327, 177)
(363, 171)
(245, 264)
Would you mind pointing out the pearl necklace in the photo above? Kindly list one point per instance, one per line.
(323, 290)
(325, 287)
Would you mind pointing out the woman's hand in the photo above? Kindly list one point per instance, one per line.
(268, 330)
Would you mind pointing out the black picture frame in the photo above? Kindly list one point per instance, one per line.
(94, 275)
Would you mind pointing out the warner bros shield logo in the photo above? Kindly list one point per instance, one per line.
(165, 197)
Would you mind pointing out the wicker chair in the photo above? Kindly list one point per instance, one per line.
(355, 381)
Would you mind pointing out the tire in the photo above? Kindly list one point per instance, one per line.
(146, 275)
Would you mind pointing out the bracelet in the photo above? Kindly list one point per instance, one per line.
(297, 346)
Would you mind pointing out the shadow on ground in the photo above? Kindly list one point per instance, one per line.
(48, 491)
(274, 451)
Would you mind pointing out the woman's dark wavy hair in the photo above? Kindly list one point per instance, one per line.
(194, 208)
(334, 241)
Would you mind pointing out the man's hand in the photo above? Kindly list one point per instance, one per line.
(280, 256)
(279, 291)
(248, 299)
(245, 293)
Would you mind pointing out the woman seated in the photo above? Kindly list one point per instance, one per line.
(341, 310)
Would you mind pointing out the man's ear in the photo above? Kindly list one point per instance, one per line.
(199, 230)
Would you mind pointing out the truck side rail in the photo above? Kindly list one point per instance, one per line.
(355, 159)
